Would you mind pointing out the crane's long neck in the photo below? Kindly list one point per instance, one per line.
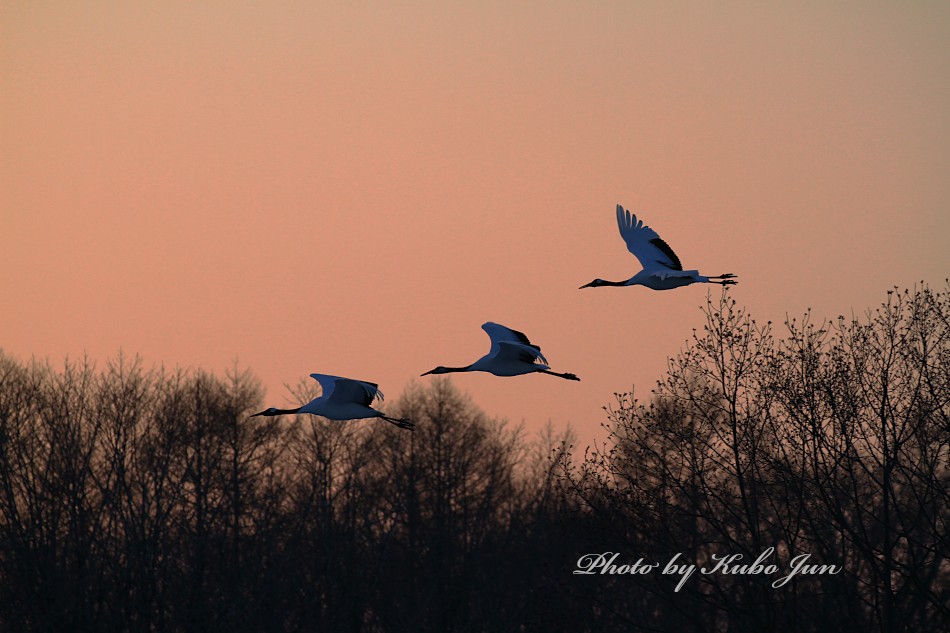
(597, 283)
(448, 370)
(273, 411)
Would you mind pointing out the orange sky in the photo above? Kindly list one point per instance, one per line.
(354, 190)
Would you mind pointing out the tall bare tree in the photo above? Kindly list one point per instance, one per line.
(830, 443)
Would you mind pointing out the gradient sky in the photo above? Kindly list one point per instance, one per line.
(354, 188)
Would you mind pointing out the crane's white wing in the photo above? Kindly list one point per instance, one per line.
(505, 351)
(501, 334)
(498, 333)
(344, 390)
(644, 242)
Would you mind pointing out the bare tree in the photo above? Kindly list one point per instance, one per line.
(830, 443)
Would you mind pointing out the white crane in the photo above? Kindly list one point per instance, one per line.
(662, 269)
(342, 399)
(511, 354)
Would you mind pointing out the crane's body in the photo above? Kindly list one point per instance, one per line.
(342, 399)
(511, 354)
(662, 269)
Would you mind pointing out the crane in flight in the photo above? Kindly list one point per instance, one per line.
(662, 269)
(342, 399)
(511, 354)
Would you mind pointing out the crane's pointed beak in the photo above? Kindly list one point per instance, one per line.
(587, 285)
(258, 414)
(427, 373)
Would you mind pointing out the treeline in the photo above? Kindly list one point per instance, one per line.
(136, 499)
(832, 442)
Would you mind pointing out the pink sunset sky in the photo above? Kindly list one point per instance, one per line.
(354, 188)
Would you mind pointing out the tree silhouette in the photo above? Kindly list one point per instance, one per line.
(830, 442)
(136, 499)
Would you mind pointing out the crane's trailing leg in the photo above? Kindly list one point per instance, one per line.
(402, 423)
(725, 279)
(554, 373)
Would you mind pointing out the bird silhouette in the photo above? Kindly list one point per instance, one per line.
(342, 399)
(662, 269)
(511, 354)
